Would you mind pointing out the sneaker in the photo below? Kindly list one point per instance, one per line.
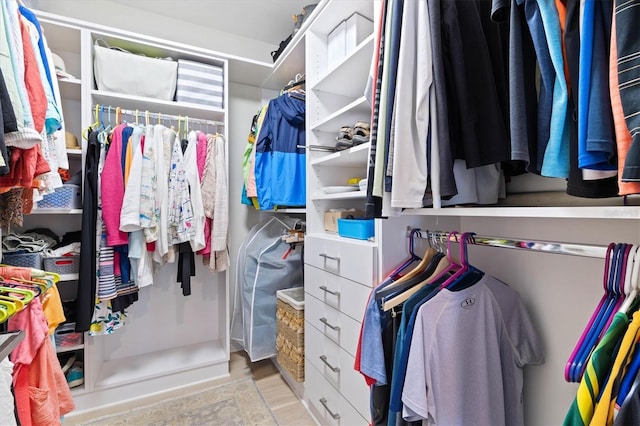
(75, 376)
(361, 131)
(345, 138)
(69, 364)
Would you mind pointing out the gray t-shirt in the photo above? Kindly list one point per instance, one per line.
(466, 357)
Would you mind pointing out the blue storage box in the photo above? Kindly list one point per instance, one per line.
(362, 229)
(66, 197)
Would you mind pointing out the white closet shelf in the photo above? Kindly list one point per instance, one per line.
(291, 60)
(336, 11)
(352, 157)
(61, 350)
(155, 105)
(300, 210)
(69, 277)
(349, 77)
(60, 36)
(69, 88)
(74, 151)
(132, 369)
(335, 237)
(56, 211)
(353, 195)
(358, 110)
(602, 212)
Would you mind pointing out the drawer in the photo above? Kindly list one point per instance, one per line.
(346, 296)
(337, 326)
(329, 407)
(350, 259)
(336, 366)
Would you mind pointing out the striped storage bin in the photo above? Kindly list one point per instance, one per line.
(200, 84)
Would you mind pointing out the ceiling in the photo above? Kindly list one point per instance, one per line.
(267, 20)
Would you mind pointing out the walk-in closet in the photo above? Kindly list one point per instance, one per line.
(330, 212)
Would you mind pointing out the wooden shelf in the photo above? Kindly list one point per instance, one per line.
(352, 157)
(349, 77)
(155, 105)
(358, 110)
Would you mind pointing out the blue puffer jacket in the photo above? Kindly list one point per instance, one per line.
(280, 164)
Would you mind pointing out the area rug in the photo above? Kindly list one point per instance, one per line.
(236, 403)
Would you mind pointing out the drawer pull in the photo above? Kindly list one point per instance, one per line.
(333, 327)
(326, 256)
(326, 290)
(323, 358)
(335, 416)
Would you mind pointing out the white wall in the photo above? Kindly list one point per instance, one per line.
(244, 102)
(559, 291)
(177, 29)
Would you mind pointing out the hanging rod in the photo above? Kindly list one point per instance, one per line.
(157, 115)
(572, 249)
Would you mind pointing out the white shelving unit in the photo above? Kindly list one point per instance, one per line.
(335, 98)
(162, 344)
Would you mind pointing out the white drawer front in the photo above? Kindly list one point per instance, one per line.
(336, 365)
(345, 295)
(337, 326)
(326, 403)
(349, 259)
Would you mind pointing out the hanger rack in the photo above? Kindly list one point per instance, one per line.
(142, 115)
(571, 249)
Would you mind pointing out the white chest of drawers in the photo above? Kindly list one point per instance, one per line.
(338, 280)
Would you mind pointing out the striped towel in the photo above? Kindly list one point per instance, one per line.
(201, 84)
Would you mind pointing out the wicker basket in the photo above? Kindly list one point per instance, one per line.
(290, 331)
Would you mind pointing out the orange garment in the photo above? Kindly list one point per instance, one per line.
(623, 137)
(128, 159)
(42, 394)
(25, 165)
(52, 308)
(33, 80)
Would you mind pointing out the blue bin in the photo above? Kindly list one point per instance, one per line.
(362, 229)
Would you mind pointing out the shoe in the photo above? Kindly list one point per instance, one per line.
(68, 364)
(345, 138)
(361, 131)
(75, 376)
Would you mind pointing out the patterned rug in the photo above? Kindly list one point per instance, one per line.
(238, 403)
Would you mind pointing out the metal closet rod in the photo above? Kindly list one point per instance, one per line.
(142, 114)
(572, 249)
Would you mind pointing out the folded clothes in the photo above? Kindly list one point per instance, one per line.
(72, 249)
(30, 242)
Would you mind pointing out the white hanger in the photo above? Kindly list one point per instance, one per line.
(631, 279)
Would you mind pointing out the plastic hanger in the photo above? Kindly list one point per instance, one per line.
(445, 265)
(585, 332)
(19, 304)
(28, 294)
(595, 333)
(631, 281)
(7, 309)
(464, 261)
(421, 266)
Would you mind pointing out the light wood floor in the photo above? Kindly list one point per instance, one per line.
(282, 401)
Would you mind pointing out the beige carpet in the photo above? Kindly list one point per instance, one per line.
(236, 403)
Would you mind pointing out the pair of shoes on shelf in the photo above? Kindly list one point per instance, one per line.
(349, 137)
(67, 365)
(75, 374)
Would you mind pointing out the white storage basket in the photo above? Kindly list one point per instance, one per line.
(120, 71)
